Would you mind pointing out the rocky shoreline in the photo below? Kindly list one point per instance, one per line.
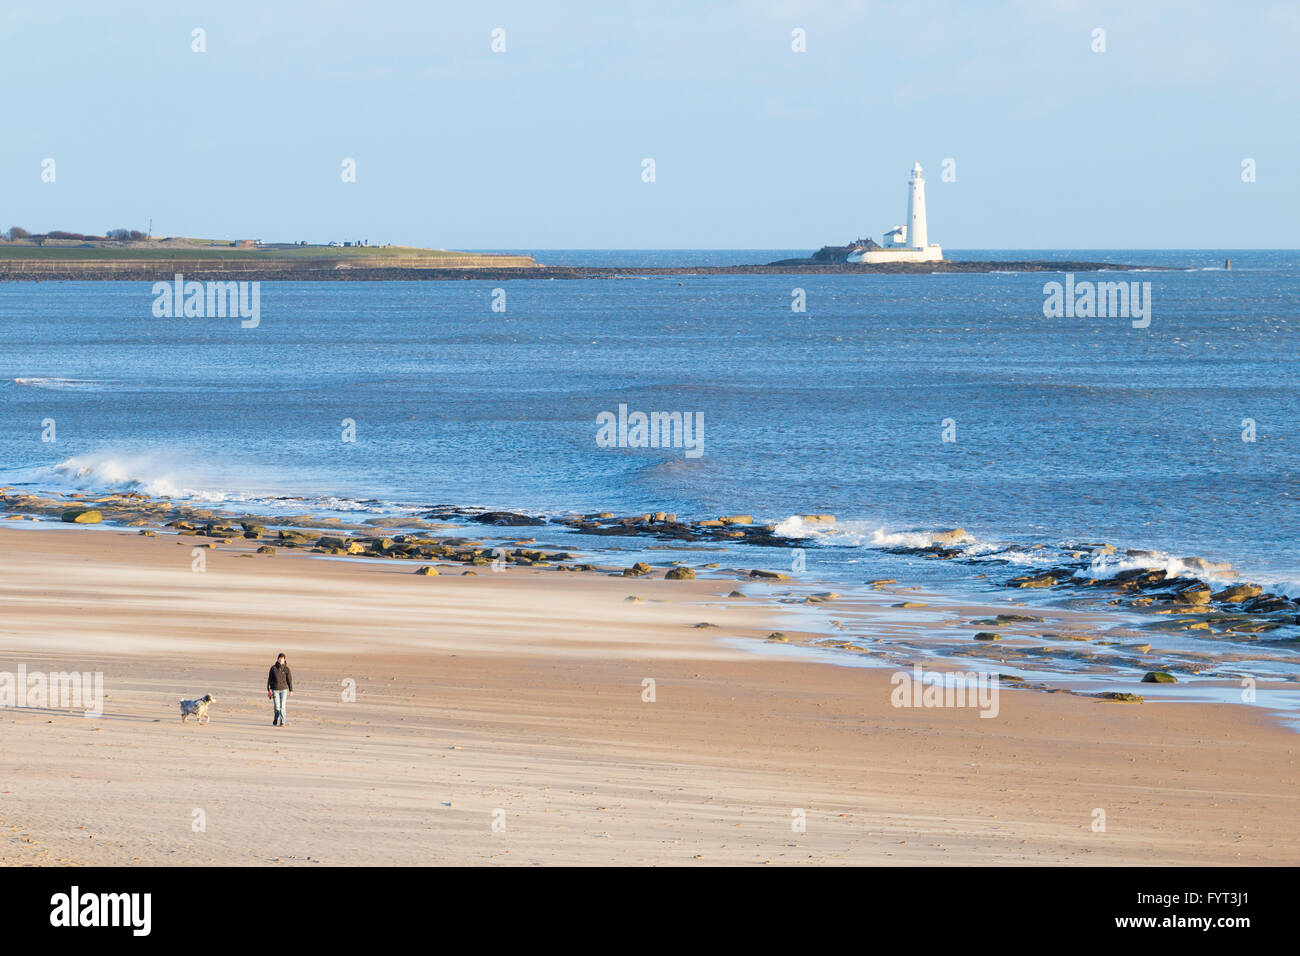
(335, 537)
(50, 271)
(1241, 611)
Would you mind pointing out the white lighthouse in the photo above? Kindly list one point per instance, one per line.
(916, 209)
(909, 243)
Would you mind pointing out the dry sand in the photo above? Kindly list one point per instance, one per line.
(516, 698)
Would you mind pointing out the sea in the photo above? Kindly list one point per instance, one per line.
(903, 405)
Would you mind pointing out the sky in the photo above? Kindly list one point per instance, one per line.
(1053, 144)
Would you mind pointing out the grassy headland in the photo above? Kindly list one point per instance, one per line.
(40, 257)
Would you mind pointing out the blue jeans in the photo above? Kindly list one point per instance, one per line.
(280, 699)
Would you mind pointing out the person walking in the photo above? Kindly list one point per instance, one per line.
(279, 685)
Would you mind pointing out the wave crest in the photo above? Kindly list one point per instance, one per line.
(110, 472)
(858, 534)
(76, 384)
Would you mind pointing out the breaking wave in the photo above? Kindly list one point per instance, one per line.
(74, 384)
(1105, 566)
(161, 477)
(1097, 561)
(145, 474)
(857, 534)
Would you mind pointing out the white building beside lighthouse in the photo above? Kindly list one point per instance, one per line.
(909, 243)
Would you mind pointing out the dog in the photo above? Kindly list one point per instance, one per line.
(198, 708)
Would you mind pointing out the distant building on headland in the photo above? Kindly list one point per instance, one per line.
(908, 243)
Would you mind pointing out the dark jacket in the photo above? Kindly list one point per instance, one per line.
(280, 678)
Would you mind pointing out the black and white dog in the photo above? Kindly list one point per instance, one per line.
(197, 708)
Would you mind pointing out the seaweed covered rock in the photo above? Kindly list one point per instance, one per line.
(1033, 581)
(506, 518)
(1159, 677)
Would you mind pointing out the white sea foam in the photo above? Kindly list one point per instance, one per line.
(909, 539)
(1108, 565)
(147, 474)
(857, 534)
(852, 534)
(177, 478)
(57, 383)
(1037, 557)
(1288, 588)
(794, 527)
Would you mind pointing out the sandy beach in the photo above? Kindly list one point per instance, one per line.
(500, 719)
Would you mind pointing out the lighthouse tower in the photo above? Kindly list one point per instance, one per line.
(916, 210)
(909, 243)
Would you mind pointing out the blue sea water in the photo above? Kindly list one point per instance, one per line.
(1067, 430)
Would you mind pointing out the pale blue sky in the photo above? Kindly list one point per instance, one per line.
(756, 146)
